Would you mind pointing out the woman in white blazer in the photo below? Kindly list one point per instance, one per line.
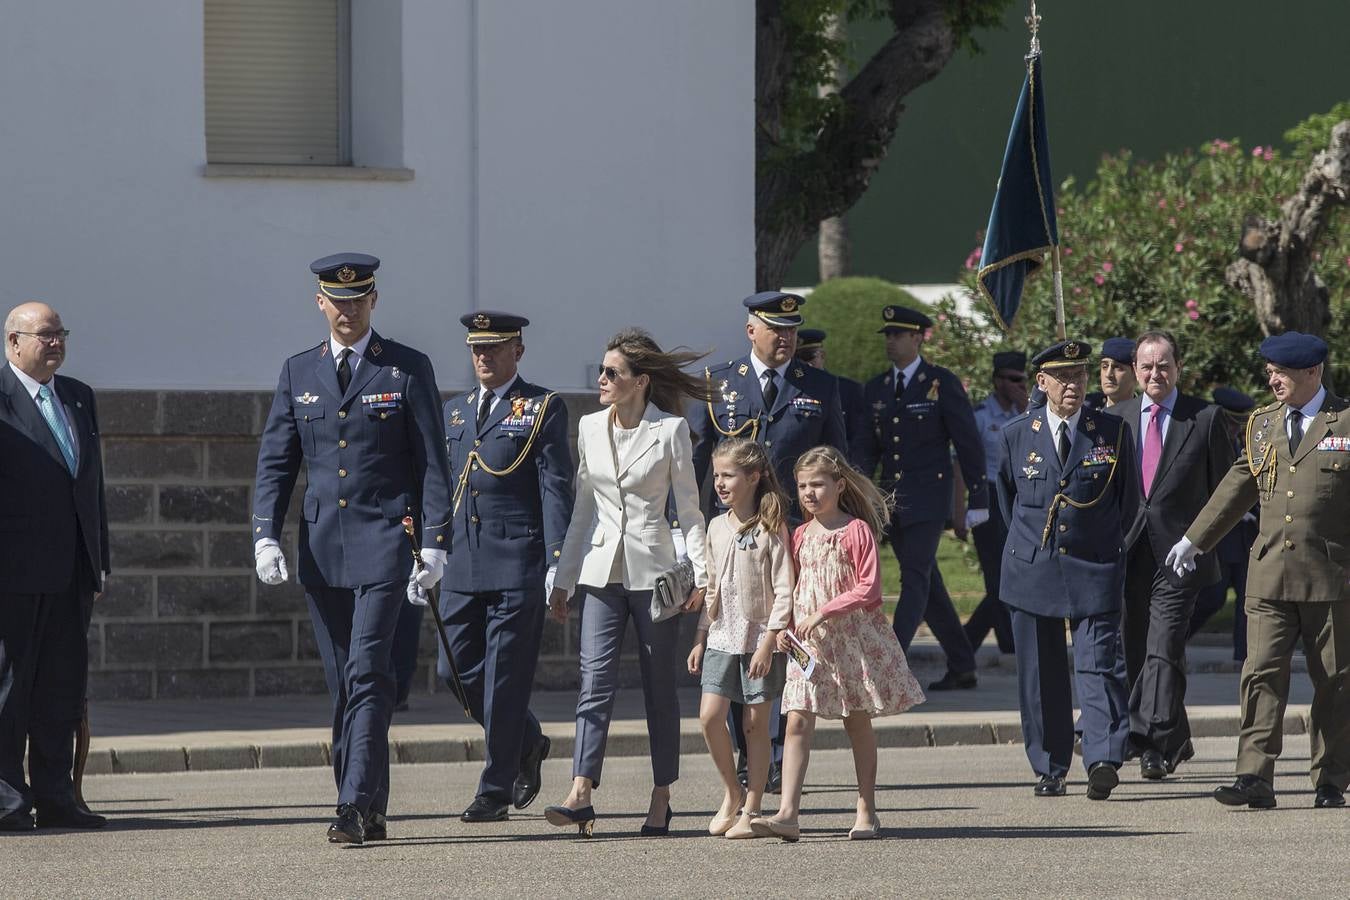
(631, 458)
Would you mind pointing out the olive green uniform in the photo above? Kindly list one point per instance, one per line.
(1296, 583)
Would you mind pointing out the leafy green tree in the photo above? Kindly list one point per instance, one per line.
(1149, 244)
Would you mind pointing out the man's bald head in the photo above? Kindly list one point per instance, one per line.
(35, 340)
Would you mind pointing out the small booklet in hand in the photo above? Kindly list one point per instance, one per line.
(798, 653)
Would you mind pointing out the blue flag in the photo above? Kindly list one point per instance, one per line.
(1022, 226)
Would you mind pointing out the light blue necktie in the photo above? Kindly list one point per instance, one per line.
(56, 425)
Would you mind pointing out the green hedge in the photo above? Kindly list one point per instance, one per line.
(849, 311)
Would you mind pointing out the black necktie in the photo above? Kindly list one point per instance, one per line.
(1295, 430)
(484, 407)
(899, 384)
(770, 389)
(1063, 442)
(344, 369)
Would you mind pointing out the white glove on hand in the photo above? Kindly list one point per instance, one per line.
(1181, 558)
(270, 562)
(417, 595)
(976, 517)
(549, 577)
(433, 567)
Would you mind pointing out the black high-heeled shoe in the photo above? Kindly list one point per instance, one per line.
(583, 818)
(659, 830)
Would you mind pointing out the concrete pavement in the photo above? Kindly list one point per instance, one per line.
(960, 823)
(288, 732)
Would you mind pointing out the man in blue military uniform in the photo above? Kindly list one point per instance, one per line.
(920, 412)
(811, 350)
(769, 397)
(512, 475)
(361, 413)
(1068, 489)
(1115, 374)
(1005, 402)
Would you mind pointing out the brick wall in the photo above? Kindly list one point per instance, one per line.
(184, 615)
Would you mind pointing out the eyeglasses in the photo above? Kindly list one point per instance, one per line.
(48, 337)
(1075, 375)
(609, 373)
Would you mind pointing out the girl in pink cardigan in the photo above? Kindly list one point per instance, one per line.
(860, 670)
(749, 601)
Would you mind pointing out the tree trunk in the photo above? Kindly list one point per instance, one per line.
(795, 192)
(832, 241)
(1275, 269)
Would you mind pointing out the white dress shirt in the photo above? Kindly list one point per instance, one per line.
(908, 371)
(1309, 410)
(358, 349)
(761, 367)
(1055, 422)
(497, 394)
(1168, 404)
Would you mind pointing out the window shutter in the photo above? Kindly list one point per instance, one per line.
(274, 81)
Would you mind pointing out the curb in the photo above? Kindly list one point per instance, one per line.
(626, 739)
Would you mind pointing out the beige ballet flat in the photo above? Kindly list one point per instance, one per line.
(871, 832)
(721, 825)
(743, 829)
(766, 827)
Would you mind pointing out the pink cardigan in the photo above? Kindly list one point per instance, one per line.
(861, 548)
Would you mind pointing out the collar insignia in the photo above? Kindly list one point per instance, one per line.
(375, 348)
(1035, 424)
(743, 369)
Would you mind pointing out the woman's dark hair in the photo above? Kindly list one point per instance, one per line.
(669, 384)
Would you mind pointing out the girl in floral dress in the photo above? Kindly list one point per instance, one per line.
(860, 670)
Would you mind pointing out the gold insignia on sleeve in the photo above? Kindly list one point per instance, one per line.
(346, 274)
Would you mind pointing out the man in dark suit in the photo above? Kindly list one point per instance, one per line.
(507, 441)
(362, 414)
(920, 412)
(1184, 452)
(1068, 491)
(53, 558)
(857, 420)
(1235, 546)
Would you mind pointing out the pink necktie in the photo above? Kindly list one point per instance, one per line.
(1152, 447)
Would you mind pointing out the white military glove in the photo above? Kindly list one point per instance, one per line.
(432, 568)
(1181, 558)
(976, 517)
(417, 595)
(549, 577)
(270, 562)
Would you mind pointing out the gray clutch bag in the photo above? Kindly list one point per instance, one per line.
(672, 590)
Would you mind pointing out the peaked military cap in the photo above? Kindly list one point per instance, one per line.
(810, 339)
(1010, 359)
(1294, 350)
(895, 318)
(775, 307)
(346, 276)
(491, 327)
(1063, 355)
(1232, 399)
(1121, 349)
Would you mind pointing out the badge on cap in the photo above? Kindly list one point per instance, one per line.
(788, 304)
(346, 274)
(1071, 350)
(481, 321)
(888, 313)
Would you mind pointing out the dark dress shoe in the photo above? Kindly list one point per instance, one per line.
(67, 815)
(530, 776)
(1152, 765)
(1329, 797)
(484, 809)
(658, 830)
(1049, 786)
(377, 827)
(583, 818)
(1248, 790)
(955, 681)
(774, 785)
(17, 821)
(349, 827)
(1186, 752)
(1102, 779)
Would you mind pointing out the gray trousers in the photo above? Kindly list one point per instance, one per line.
(604, 619)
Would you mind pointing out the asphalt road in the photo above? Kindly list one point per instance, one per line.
(958, 822)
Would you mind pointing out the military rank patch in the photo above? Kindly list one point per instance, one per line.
(1035, 424)
(743, 369)
(382, 401)
(807, 406)
(307, 398)
(1334, 443)
(456, 417)
(1100, 456)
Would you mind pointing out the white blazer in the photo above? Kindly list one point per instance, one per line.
(627, 507)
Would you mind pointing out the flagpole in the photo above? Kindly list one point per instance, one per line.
(1034, 26)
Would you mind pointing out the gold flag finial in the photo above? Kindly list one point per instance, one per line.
(1034, 25)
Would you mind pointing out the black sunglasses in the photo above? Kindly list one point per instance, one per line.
(609, 373)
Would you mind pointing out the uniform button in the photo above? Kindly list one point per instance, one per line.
(342, 414)
(674, 523)
(258, 529)
(1289, 545)
(939, 476)
(478, 443)
(473, 519)
(473, 493)
(1289, 494)
(768, 443)
(1063, 504)
(1293, 469)
(475, 467)
(897, 456)
(1062, 551)
(896, 420)
(342, 473)
(1336, 466)
(896, 439)
(1064, 528)
(440, 539)
(384, 415)
(557, 553)
(1289, 518)
(342, 504)
(342, 445)
(920, 418)
(1063, 484)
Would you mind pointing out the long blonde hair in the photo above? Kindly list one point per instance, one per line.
(770, 501)
(859, 498)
